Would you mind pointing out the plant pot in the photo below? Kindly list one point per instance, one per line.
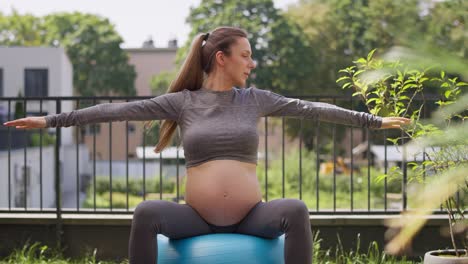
(446, 256)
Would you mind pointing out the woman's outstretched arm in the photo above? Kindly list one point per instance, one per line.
(273, 104)
(166, 106)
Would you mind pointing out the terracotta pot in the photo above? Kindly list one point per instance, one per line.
(446, 256)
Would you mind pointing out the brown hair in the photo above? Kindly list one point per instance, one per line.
(198, 63)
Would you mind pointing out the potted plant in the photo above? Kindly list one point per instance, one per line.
(389, 88)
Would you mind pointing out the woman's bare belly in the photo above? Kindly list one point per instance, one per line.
(222, 191)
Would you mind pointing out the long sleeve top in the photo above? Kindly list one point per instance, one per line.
(216, 124)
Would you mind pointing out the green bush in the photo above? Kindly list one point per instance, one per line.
(35, 139)
(135, 186)
(119, 200)
(325, 184)
(135, 192)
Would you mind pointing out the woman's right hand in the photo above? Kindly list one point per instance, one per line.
(27, 122)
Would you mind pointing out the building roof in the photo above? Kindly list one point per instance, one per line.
(167, 153)
(151, 50)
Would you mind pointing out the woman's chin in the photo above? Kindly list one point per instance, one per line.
(241, 83)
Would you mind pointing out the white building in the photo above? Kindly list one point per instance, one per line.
(36, 72)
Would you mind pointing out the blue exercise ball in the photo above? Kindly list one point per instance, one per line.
(220, 248)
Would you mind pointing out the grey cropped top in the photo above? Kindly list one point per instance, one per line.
(216, 124)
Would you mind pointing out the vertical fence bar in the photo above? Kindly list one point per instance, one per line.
(334, 165)
(405, 175)
(110, 163)
(317, 165)
(126, 164)
(160, 170)
(282, 157)
(9, 156)
(368, 169)
(144, 165)
(40, 160)
(300, 159)
(266, 159)
(351, 181)
(177, 171)
(94, 161)
(334, 161)
(77, 142)
(58, 194)
(25, 168)
(385, 171)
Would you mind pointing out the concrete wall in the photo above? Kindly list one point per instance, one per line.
(68, 156)
(16, 178)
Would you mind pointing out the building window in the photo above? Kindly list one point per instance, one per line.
(36, 82)
(1, 82)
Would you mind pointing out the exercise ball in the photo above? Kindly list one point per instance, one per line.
(220, 248)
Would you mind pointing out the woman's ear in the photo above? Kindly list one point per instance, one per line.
(220, 58)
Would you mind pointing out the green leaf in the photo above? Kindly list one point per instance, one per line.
(447, 93)
(371, 53)
(346, 85)
(343, 78)
(358, 72)
(361, 61)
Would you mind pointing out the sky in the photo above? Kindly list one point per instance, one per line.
(134, 20)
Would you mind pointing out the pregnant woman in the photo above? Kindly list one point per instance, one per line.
(218, 121)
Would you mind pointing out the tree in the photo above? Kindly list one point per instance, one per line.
(160, 83)
(93, 45)
(19, 107)
(446, 26)
(100, 66)
(20, 30)
(340, 31)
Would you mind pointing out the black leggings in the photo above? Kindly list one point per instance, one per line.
(269, 220)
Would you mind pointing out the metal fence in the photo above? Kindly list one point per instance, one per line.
(19, 185)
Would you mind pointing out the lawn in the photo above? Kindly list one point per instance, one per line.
(37, 253)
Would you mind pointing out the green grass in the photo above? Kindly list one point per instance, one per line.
(373, 254)
(42, 254)
(37, 253)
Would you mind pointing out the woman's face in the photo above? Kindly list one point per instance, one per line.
(239, 63)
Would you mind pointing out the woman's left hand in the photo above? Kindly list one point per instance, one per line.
(394, 122)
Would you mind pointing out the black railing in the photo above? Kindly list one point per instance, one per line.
(313, 184)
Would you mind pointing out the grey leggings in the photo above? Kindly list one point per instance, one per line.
(266, 219)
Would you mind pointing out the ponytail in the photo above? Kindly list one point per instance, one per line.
(189, 77)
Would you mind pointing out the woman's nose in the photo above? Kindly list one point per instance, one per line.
(253, 64)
